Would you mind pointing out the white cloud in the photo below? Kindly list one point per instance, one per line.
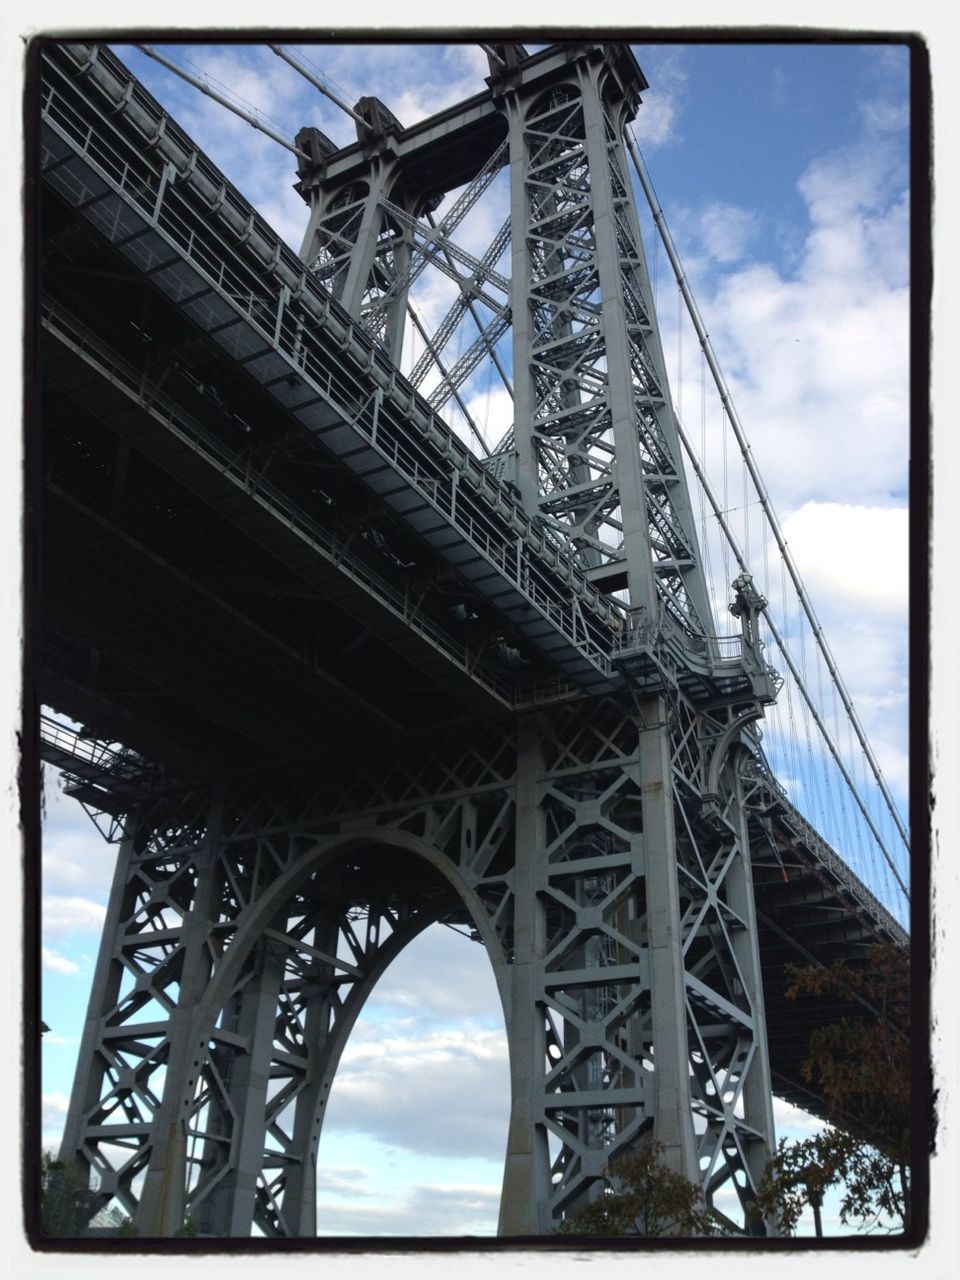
(792, 1122)
(443, 1092)
(817, 357)
(656, 122)
(492, 410)
(815, 350)
(77, 859)
(255, 78)
(426, 1068)
(725, 231)
(855, 555)
(287, 215)
(53, 962)
(467, 996)
(432, 296)
(425, 1210)
(342, 1181)
(442, 1048)
(54, 1114)
(68, 915)
(479, 226)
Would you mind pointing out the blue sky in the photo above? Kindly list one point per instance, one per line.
(783, 173)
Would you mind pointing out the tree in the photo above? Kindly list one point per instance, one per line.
(645, 1199)
(862, 1069)
(69, 1206)
(863, 1066)
(800, 1173)
(66, 1202)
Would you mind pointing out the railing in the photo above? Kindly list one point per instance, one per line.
(231, 465)
(290, 319)
(794, 821)
(116, 761)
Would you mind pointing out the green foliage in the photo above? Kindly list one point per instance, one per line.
(645, 1199)
(68, 1206)
(875, 1188)
(862, 1068)
(66, 1202)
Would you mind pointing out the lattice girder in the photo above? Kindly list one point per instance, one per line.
(652, 1014)
(594, 430)
(238, 1106)
(207, 1100)
(598, 849)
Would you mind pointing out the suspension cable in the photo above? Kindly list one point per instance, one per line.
(456, 392)
(219, 98)
(694, 313)
(317, 83)
(775, 632)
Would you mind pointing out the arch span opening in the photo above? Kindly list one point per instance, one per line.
(416, 1127)
(305, 1002)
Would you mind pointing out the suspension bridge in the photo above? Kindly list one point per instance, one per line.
(329, 664)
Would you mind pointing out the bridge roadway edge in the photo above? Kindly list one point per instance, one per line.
(786, 849)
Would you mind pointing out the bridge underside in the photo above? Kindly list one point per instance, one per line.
(184, 613)
(184, 617)
(309, 613)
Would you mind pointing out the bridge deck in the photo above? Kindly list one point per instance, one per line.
(253, 526)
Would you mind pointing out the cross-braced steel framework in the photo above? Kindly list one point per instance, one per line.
(243, 938)
(599, 849)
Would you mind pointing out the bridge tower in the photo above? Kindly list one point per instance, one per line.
(596, 842)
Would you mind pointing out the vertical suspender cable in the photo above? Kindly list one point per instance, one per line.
(724, 393)
(788, 658)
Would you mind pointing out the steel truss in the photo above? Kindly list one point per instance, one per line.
(591, 388)
(598, 848)
(243, 938)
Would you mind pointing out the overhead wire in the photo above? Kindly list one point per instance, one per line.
(468, 417)
(325, 76)
(746, 452)
(789, 659)
(201, 82)
(255, 117)
(320, 85)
